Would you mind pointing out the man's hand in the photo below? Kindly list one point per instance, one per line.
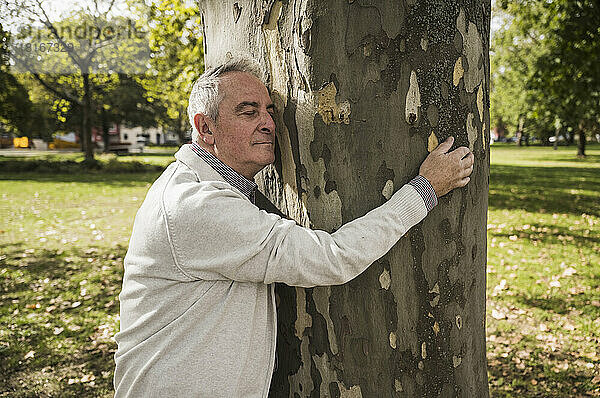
(446, 171)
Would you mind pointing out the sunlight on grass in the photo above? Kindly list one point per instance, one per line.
(63, 237)
(62, 243)
(543, 324)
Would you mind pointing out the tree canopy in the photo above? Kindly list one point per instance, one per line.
(545, 66)
(15, 105)
(176, 61)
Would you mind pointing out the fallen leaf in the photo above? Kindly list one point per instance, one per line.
(88, 378)
(498, 315)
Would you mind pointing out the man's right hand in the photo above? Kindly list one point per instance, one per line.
(448, 170)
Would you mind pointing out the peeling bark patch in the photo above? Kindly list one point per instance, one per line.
(321, 298)
(330, 111)
(432, 142)
(436, 295)
(413, 100)
(456, 361)
(392, 338)
(472, 49)
(480, 102)
(398, 385)
(303, 319)
(436, 289)
(352, 392)
(273, 16)
(471, 131)
(484, 138)
(302, 380)
(328, 375)
(388, 189)
(458, 71)
(385, 280)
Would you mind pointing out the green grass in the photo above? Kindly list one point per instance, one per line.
(543, 323)
(63, 237)
(62, 242)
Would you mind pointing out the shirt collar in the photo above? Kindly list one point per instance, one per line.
(231, 176)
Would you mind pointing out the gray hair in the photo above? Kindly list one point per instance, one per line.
(206, 96)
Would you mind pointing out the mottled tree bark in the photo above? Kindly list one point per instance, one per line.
(364, 90)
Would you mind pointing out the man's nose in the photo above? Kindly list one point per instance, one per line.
(268, 125)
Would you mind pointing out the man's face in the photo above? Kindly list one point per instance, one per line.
(245, 131)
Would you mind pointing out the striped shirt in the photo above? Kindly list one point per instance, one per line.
(247, 187)
(425, 189)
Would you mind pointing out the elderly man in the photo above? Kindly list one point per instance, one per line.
(198, 312)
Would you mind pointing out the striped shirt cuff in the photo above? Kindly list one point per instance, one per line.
(425, 189)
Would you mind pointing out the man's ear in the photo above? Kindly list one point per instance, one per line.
(201, 122)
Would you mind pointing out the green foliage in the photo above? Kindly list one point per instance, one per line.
(545, 65)
(15, 106)
(177, 60)
(91, 83)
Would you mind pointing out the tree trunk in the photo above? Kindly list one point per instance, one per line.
(581, 144)
(87, 125)
(363, 93)
(520, 132)
(181, 123)
(105, 131)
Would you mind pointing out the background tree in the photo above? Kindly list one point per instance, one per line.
(15, 106)
(177, 60)
(363, 93)
(89, 46)
(121, 99)
(545, 59)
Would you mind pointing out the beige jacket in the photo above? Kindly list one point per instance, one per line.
(198, 307)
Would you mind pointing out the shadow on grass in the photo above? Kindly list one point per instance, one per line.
(540, 377)
(560, 305)
(57, 314)
(554, 233)
(539, 189)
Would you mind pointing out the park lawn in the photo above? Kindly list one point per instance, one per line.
(63, 238)
(62, 242)
(543, 279)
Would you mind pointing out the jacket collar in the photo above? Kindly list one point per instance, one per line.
(203, 170)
